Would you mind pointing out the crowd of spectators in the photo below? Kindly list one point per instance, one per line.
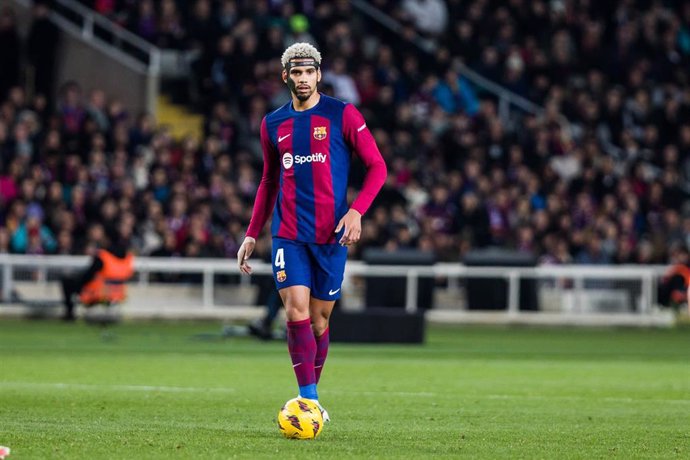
(600, 176)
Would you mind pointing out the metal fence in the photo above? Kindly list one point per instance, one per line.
(209, 284)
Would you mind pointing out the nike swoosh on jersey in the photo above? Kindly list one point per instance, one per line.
(332, 292)
(282, 138)
(361, 127)
(295, 365)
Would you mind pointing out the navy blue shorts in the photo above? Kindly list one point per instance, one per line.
(320, 267)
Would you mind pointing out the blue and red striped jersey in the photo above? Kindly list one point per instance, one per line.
(307, 158)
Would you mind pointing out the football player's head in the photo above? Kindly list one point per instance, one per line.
(301, 69)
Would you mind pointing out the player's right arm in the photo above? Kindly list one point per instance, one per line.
(265, 199)
(362, 143)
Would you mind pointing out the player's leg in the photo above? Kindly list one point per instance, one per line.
(71, 285)
(320, 313)
(327, 278)
(292, 271)
(273, 305)
(300, 338)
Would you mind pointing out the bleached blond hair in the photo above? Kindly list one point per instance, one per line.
(300, 50)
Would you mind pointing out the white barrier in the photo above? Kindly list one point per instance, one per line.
(569, 293)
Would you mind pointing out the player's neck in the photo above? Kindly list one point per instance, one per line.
(301, 106)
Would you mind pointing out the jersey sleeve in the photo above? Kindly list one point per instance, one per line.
(268, 187)
(362, 143)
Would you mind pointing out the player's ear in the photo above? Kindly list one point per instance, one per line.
(318, 76)
(285, 76)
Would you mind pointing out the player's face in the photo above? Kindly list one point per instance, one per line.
(302, 81)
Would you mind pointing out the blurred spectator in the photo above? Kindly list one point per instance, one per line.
(10, 51)
(144, 22)
(454, 94)
(32, 236)
(344, 86)
(429, 16)
(298, 31)
(97, 110)
(42, 46)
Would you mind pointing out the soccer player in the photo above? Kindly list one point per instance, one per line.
(307, 146)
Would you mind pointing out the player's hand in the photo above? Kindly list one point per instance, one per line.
(352, 222)
(244, 253)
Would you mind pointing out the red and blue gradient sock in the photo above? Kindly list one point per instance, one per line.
(302, 348)
(321, 353)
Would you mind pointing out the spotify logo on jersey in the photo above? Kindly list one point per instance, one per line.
(287, 160)
(313, 158)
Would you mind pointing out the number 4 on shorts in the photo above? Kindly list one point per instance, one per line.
(280, 258)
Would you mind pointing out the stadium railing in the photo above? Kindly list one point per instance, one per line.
(94, 37)
(567, 294)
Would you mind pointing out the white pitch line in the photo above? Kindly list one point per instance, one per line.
(170, 389)
(583, 398)
(82, 386)
(383, 393)
(173, 389)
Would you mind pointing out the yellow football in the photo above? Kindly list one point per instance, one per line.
(300, 418)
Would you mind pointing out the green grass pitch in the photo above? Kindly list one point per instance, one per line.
(144, 391)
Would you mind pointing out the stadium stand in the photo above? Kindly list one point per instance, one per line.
(601, 176)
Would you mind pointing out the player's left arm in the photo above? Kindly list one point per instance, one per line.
(362, 143)
(265, 199)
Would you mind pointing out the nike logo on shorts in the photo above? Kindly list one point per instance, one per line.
(282, 138)
(332, 292)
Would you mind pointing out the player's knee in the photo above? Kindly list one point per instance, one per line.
(295, 311)
(296, 304)
(319, 324)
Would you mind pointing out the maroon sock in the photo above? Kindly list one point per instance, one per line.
(321, 353)
(302, 348)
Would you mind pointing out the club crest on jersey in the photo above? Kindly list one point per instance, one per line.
(288, 160)
(320, 133)
(281, 276)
